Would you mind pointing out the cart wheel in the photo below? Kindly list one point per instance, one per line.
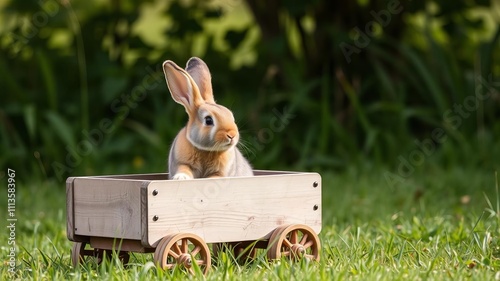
(294, 241)
(182, 249)
(241, 251)
(79, 254)
(124, 257)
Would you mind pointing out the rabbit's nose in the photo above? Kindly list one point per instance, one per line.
(231, 136)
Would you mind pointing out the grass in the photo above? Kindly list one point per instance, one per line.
(429, 227)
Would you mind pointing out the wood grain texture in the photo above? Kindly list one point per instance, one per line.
(233, 209)
(107, 207)
(70, 217)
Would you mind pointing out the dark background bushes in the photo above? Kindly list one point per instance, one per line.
(314, 85)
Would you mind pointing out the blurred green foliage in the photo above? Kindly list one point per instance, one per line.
(313, 84)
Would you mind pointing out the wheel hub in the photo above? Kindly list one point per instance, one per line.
(298, 250)
(185, 260)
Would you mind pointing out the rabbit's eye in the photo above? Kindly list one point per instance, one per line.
(209, 121)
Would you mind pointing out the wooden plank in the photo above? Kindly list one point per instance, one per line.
(140, 177)
(270, 173)
(164, 176)
(144, 214)
(233, 209)
(70, 217)
(116, 244)
(107, 207)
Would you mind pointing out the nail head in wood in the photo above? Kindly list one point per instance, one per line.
(315, 184)
(155, 192)
(155, 218)
(315, 208)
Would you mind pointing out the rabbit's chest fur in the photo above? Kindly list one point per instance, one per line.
(209, 164)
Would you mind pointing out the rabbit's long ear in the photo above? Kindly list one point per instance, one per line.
(198, 69)
(182, 87)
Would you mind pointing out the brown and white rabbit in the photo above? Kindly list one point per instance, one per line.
(206, 146)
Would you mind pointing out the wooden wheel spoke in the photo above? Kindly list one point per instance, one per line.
(287, 243)
(176, 249)
(293, 236)
(308, 244)
(201, 262)
(285, 253)
(196, 250)
(170, 265)
(184, 246)
(191, 271)
(173, 254)
(304, 239)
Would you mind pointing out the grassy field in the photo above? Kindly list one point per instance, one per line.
(440, 224)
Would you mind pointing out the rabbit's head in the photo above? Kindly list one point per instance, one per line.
(211, 127)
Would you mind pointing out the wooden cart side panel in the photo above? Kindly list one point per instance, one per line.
(70, 217)
(144, 214)
(107, 208)
(233, 209)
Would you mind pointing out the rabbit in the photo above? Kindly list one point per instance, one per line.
(206, 146)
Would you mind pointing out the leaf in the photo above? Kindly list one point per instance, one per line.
(429, 81)
(30, 120)
(48, 78)
(384, 79)
(61, 128)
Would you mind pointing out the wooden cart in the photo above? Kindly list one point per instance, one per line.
(278, 211)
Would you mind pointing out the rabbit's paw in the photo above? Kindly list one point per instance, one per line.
(181, 176)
